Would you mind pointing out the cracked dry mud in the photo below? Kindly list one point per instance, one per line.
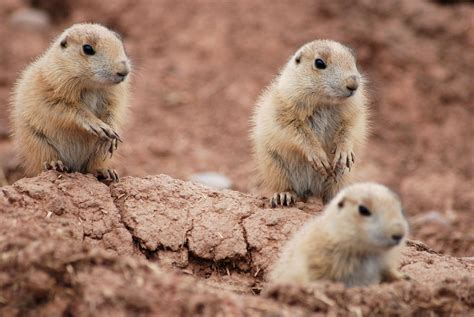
(71, 245)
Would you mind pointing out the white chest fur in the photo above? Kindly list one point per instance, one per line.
(325, 121)
(367, 272)
(93, 101)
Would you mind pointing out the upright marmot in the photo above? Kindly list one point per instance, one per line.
(69, 103)
(309, 124)
(357, 240)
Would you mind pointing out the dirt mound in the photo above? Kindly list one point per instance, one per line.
(206, 232)
(49, 278)
(73, 246)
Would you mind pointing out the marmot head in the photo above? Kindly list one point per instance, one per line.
(91, 53)
(323, 70)
(369, 216)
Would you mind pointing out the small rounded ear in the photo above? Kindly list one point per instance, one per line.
(341, 203)
(63, 42)
(298, 57)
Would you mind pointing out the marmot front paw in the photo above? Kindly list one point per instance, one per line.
(320, 162)
(107, 146)
(343, 157)
(103, 131)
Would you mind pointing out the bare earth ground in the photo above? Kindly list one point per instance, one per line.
(199, 66)
(161, 246)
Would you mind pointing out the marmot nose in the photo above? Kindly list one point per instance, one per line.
(397, 238)
(352, 83)
(124, 71)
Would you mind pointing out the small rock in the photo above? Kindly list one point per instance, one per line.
(431, 217)
(468, 258)
(212, 179)
(30, 18)
(176, 98)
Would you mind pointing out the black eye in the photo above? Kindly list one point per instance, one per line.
(364, 211)
(319, 63)
(341, 204)
(88, 50)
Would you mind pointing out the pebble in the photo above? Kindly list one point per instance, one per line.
(30, 18)
(212, 179)
(431, 217)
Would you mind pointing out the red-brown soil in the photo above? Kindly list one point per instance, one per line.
(199, 67)
(160, 246)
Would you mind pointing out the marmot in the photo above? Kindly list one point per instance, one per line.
(69, 103)
(357, 240)
(310, 123)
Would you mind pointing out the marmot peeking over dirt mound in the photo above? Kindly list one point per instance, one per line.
(69, 103)
(357, 240)
(310, 123)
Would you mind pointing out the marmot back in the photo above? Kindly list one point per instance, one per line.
(69, 103)
(357, 240)
(310, 124)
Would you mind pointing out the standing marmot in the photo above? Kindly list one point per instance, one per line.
(309, 123)
(69, 103)
(357, 240)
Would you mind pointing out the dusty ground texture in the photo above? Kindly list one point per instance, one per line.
(157, 245)
(70, 245)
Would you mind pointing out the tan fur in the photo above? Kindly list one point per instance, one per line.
(344, 246)
(67, 106)
(306, 128)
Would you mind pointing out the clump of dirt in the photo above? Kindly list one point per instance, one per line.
(205, 232)
(448, 298)
(70, 245)
(49, 278)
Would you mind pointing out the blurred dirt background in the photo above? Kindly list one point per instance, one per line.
(200, 65)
